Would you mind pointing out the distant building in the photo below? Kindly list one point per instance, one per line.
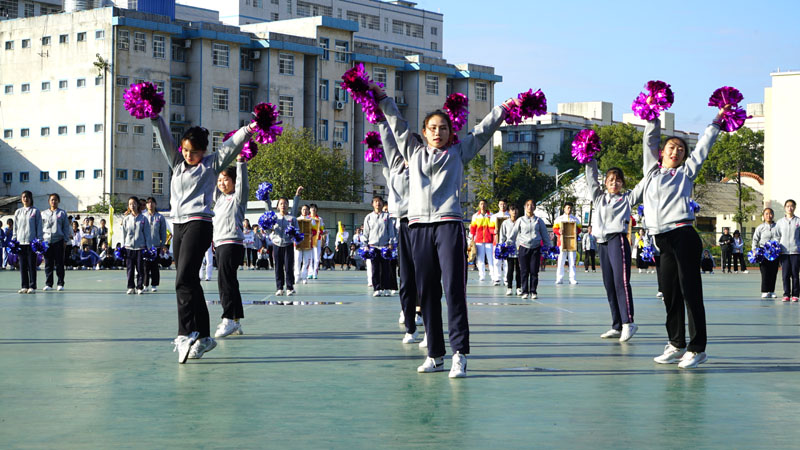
(781, 154)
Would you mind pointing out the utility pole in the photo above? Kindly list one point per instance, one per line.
(102, 65)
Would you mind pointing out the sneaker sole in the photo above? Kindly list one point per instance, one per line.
(200, 355)
(695, 364)
(434, 370)
(192, 339)
(458, 375)
(671, 361)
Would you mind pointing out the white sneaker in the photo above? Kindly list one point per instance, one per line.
(22, 291)
(239, 331)
(744, 271)
(481, 279)
(393, 292)
(402, 318)
(154, 289)
(772, 295)
(611, 334)
(524, 296)
(496, 283)
(279, 292)
(764, 295)
(534, 296)
(508, 292)
(410, 338)
(183, 344)
(290, 292)
(459, 367)
(573, 281)
(418, 320)
(31, 291)
(377, 293)
(432, 365)
(139, 291)
(201, 347)
(60, 288)
(226, 328)
(130, 291)
(519, 291)
(47, 288)
(628, 330)
(660, 294)
(690, 360)
(671, 355)
(305, 281)
(424, 343)
(640, 270)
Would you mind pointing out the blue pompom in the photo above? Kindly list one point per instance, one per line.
(755, 256)
(13, 247)
(388, 253)
(640, 209)
(694, 205)
(268, 220)
(120, 253)
(39, 246)
(264, 189)
(648, 253)
(150, 254)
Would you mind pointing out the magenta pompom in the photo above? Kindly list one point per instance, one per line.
(456, 107)
(733, 120)
(265, 116)
(374, 151)
(249, 150)
(725, 95)
(531, 104)
(356, 82)
(585, 145)
(143, 101)
(663, 98)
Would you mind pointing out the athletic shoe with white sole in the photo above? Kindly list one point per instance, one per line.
(424, 343)
(508, 292)
(523, 295)
(139, 291)
(279, 292)
(690, 360)
(60, 288)
(290, 292)
(183, 344)
(459, 367)
(402, 318)
(418, 320)
(201, 347)
(772, 295)
(22, 291)
(377, 293)
(573, 281)
(393, 292)
(671, 355)
(534, 296)
(496, 282)
(47, 288)
(33, 291)
(154, 289)
(432, 365)
(519, 291)
(410, 338)
(130, 291)
(226, 328)
(611, 334)
(628, 330)
(764, 295)
(660, 295)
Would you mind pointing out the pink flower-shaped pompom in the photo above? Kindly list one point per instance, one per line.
(585, 145)
(143, 100)
(250, 149)
(663, 98)
(356, 82)
(725, 95)
(531, 104)
(733, 120)
(265, 116)
(456, 107)
(374, 151)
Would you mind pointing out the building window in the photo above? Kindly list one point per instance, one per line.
(44, 176)
(159, 47)
(481, 92)
(29, 11)
(139, 42)
(122, 81)
(219, 99)
(63, 39)
(285, 64)
(177, 133)
(80, 174)
(81, 82)
(9, 89)
(45, 86)
(137, 175)
(379, 75)
(80, 129)
(305, 9)
(62, 130)
(178, 51)
(323, 89)
(9, 45)
(155, 143)
(62, 175)
(342, 48)
(63, 84)
(138, 129)
(123, 39)
(159, 86)
(45, 131)
(398, 81)
(100, 34)
(220, 54)
(339, 94)
(46, 40)
(121, 174)
(340, 131)
(26, 43)
(8, 134)
(216, 140)
(432, 84)
(24, 132)
(177, 93)
(434, 31)
(245, 100)
(286, 106)
(246, 60)
(24, 177)
(274, 17)
(367, 21)
(122, 128)
(98, 128)
(434, 46)
(323, 130)
(158, 183)
(98, 173)
(8, 177)
(26, 88)
(325, 44)
(408, 29)
(82, 36)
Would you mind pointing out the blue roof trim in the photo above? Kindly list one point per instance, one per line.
(281, 45)
(360, 57)
(430, 68)
(479, 76)
(216, 36)
(342, 24)
(398, 44)
(146, 25)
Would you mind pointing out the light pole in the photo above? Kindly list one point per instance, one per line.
(102, 65)
(559, 175)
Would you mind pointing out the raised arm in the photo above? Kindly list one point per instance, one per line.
(268, 203)
(700, 153)
(296, 201)
(242, 184)
(166, 142)
(484, 131)
(405, 140)
(592, 185)
(231, 148)
(393, 159)
(637, 194)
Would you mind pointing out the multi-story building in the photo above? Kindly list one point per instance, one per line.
(12, 9)
(538, 139)
(65, 128)
(781, 158)
(397, 27)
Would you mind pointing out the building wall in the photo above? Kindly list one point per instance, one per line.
(781, 156)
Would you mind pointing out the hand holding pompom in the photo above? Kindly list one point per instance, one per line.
(585, 145)
(264, 189)
(356, 81)
(659, 97)
(528, 104)
(265, 119)
(143, 100)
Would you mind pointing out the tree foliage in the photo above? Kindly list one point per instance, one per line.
(296, 159)
(514, 183)
(120, 206)
(742, 150)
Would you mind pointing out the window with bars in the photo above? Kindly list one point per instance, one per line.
(122, 128)
(176, 132)
(156, 145)
(177, 93)
(481, 92)
(432, 84)
(62, 175)
(137, 175)
(8, 134)
(62, 130)
(26, 43)
(82, 36)
(379, 75)
(285, 64)
(286, 106)
(219, 99)
(216, 140)
(26, 88)
(45, 131)
(29, 10)
(367, 21)
(123, 39)
(138, 129)
(306, 9)
(159, 47)
(24, 132)
(80, 129)
(45, 86)
(178, 51)
(158, 183)
(246, 97)
(44, 176)
(407, 28)
(340, 131)
(9, 9)
(81, 174)
(323, 130)
(246, 61)
(342, 51)
(121, 174)
(323, 89)
(63, 84)
(139, 42)
(220, 55)
(325, 44)
(98, 173)
(63, 39)
(122, 81)
(80, 82)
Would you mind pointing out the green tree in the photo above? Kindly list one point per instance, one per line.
(295, 159)
(502, 180)
(742, 150)
(102, 207)
(553, 204)
(563, 161)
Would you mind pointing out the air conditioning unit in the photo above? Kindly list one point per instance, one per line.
(187, 43)
(338, 106)
(338, 144)
(256, 55)
(540, 156)
(178, 117)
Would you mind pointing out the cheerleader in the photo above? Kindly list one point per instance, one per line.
(500, 265)
(769, 269)
(436, 172)
(57, 231)
(787, 232)
(136, 238)
(282, 250)
(668, 185)
(480, 230)
(611, 219)
(513, 261)
(158, 239)
(229, 207)
(303, 259)
(194, 176)
(27, 227)
(567, 217)
(379, 233)
(317, 239)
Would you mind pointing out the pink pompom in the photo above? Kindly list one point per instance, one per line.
(531, 104)
(249, 150)
(585, 145)
(725, 95)
(663, 98)
(733, 120)
(143, 101)
(456, 107)
(356, 82)
(374, 150)
(265, 116)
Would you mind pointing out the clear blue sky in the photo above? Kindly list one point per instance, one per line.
(589, 50)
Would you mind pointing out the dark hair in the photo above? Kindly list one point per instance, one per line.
(441, 114)
(29, 194)
(737, 232)
(58, 197)
(531, 201)
(197, 136)
(230, 172)
(377, 197)
(513, 208)
(151, 199)
(570, 204)
(770, 210)
(618, 172)
(313, 205)
(10, 222)
(784, 203)
(682, 141)
(91, 219)
(132, 197)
